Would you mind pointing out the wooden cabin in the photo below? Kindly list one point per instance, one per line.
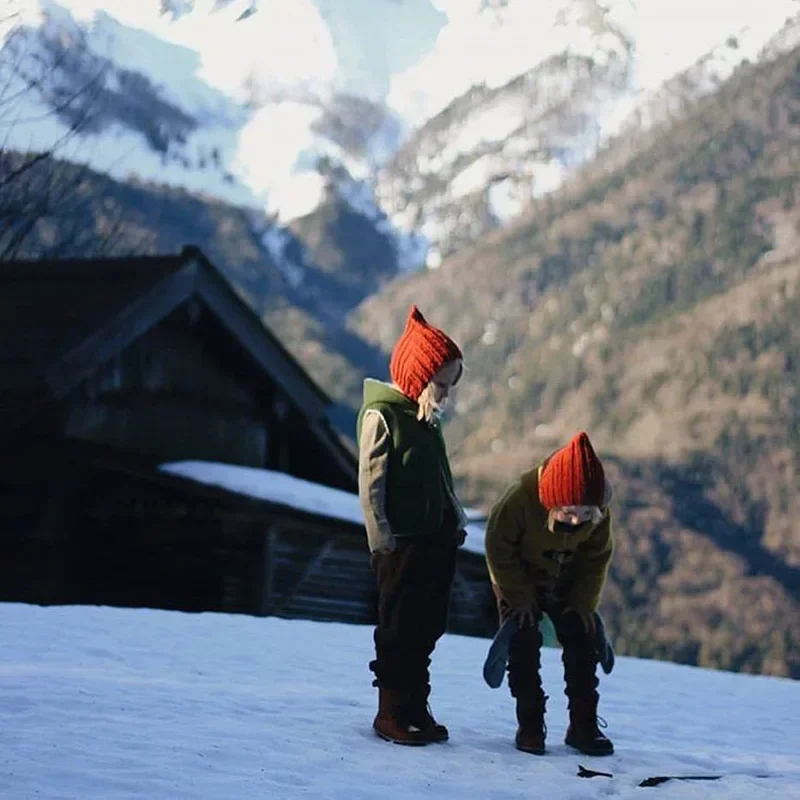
(110, 369)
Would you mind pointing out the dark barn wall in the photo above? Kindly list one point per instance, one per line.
(186, 390)
(176, 393)
(34, 492)
(88, 532)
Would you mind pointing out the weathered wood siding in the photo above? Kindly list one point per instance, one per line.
(179, 394)
(86, 533)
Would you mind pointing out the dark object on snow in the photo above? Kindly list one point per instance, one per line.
(605, 651)
(583, 772)
(497, 658)
(657, 780)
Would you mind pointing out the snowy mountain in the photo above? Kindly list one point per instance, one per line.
(480, 162)
(451, 115)
(148, 92)
(167, 102)
(121, 703)
(550, 86)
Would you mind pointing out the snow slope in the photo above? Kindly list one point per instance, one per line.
(123, 703)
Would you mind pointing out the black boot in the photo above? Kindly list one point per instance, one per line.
(583, 733)
(532, 730)
(420, 715)
(525, 683)
(580, 674)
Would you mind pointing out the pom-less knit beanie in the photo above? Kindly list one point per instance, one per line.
(573, 476)
(419, 354)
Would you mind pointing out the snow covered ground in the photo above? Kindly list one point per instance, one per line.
(123, 703)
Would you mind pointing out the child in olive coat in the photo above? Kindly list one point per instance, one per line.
(548, 548)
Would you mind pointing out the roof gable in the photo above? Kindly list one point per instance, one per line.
(61, 320)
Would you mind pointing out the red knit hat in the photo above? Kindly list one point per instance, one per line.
(419, 354)
(573, 476)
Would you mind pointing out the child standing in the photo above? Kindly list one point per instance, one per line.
(414, 523)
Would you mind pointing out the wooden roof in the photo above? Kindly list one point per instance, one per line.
(60, 320)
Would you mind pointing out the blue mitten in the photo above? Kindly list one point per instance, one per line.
(605, 652)
(497, 658)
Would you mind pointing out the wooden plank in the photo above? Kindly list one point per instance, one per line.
(125, 328)
(242, 322)
(312, 565)
(269, 548)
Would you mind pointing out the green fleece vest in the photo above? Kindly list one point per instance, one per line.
(418, 475)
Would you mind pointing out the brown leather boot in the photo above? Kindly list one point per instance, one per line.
(583, 733)
(532, 730)
(392, 722)
(420, 715)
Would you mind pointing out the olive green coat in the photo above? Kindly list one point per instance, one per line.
(525, 557)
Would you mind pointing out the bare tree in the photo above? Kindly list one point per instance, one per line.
(48, 201)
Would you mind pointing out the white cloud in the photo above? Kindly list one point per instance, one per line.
(284, 42)
(672, 35)
(477, 47)
(266, 154)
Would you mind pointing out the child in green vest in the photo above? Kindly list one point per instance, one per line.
(414, 523)
(548, 548)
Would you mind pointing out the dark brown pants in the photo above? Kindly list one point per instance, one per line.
(414, 584)
(579, 654)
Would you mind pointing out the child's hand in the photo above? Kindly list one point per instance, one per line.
(525, 616)
(587, 620)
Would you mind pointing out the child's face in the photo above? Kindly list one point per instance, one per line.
(573, 515)
(445, 379)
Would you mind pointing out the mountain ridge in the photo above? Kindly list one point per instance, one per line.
(649, 300)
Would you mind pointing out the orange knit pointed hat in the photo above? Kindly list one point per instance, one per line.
(573, 476)
(419, 354)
